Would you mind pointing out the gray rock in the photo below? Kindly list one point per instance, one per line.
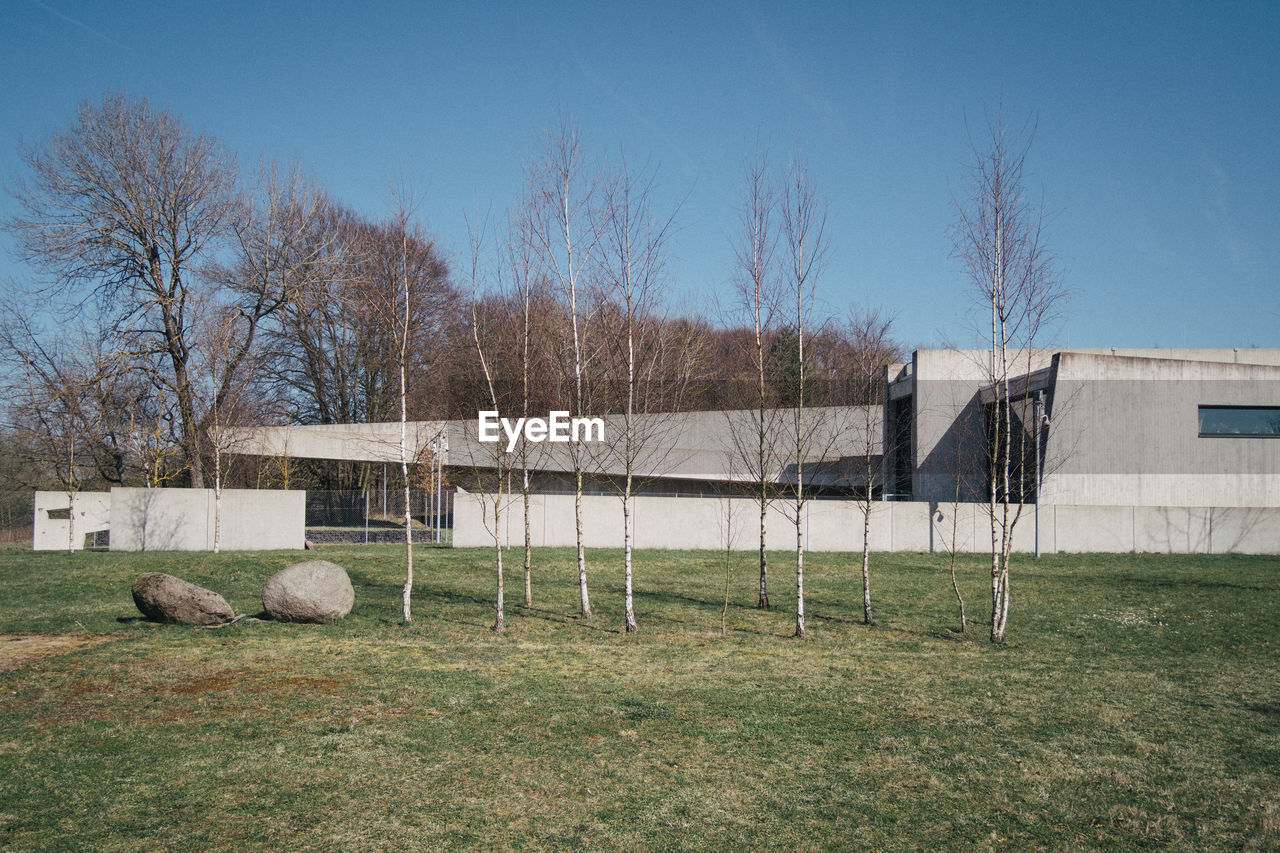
(164, 598)
(314, 591)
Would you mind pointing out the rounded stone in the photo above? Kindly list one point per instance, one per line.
(164, 598)
(314, 591)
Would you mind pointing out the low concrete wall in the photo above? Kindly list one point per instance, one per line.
(183, 520)
(88, 512)
(836, 525)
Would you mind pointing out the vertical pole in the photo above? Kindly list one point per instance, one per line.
(366, 517)
(384, 490)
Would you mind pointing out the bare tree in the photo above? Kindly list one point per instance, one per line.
(804, 220)
(495, 494)
(220, 438)
(528, 288)
(997, 239)
(753, 432)
(121, 209)
(567, 231)
(404, 329)
(62, 397)
(334, 351)
(868, 331)
(729, 522)
(639, 345)
(272, 260)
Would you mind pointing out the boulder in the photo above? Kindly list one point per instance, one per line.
(164, 598)
(314, 591)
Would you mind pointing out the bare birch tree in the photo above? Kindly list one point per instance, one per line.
(495, 494)
(997, 239)
(528, 290)
(804, 220)
(404, 331)
(633, 272)
(567, 231)
(868, 331)
(754, 432)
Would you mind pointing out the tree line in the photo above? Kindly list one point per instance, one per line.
(172, 291)
(176, 295)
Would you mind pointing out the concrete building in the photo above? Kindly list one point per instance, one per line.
(1117, 428)
(1150, 427)
(1167, 450)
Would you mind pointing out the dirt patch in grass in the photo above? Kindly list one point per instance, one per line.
(18, 650)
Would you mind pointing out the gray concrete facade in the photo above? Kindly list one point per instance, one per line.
(184, 519)
(85, 513)
(1122, 425)
(836, 525)
(173, 519)
(1124, 463)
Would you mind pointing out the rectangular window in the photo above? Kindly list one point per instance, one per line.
(1240, 421)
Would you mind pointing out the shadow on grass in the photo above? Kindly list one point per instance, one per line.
(572, 620)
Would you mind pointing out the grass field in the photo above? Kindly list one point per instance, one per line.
(1136, 706)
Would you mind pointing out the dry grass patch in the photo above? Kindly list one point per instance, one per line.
(21, 649)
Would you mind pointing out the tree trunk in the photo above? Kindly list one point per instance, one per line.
(528, 544)
(628, 606)
(406, 598)
(71, 522)
(866, 561)
(799, 579)
(217, 493)
(764, 554)
(584, 599)
(500, 606)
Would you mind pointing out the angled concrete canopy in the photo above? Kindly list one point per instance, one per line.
(1118, 428)
(684, 446)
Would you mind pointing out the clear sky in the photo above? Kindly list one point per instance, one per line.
(1157, 150)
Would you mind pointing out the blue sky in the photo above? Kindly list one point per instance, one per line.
(1157, 150)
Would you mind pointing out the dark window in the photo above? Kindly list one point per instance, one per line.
(899, 448)
(1240, 421)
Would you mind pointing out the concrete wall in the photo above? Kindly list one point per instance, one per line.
(836, 525)
(1125, 431)
(1124, 426)
(89, 512)
(183, 520)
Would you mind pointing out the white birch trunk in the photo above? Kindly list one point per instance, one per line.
(499, 614)
(628, 604)
(866, 561)
(217, 493)
(528, 541)
(71, 522)
(584, 599)
(406, 598)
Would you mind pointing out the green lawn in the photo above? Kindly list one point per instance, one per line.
(1135, 706)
